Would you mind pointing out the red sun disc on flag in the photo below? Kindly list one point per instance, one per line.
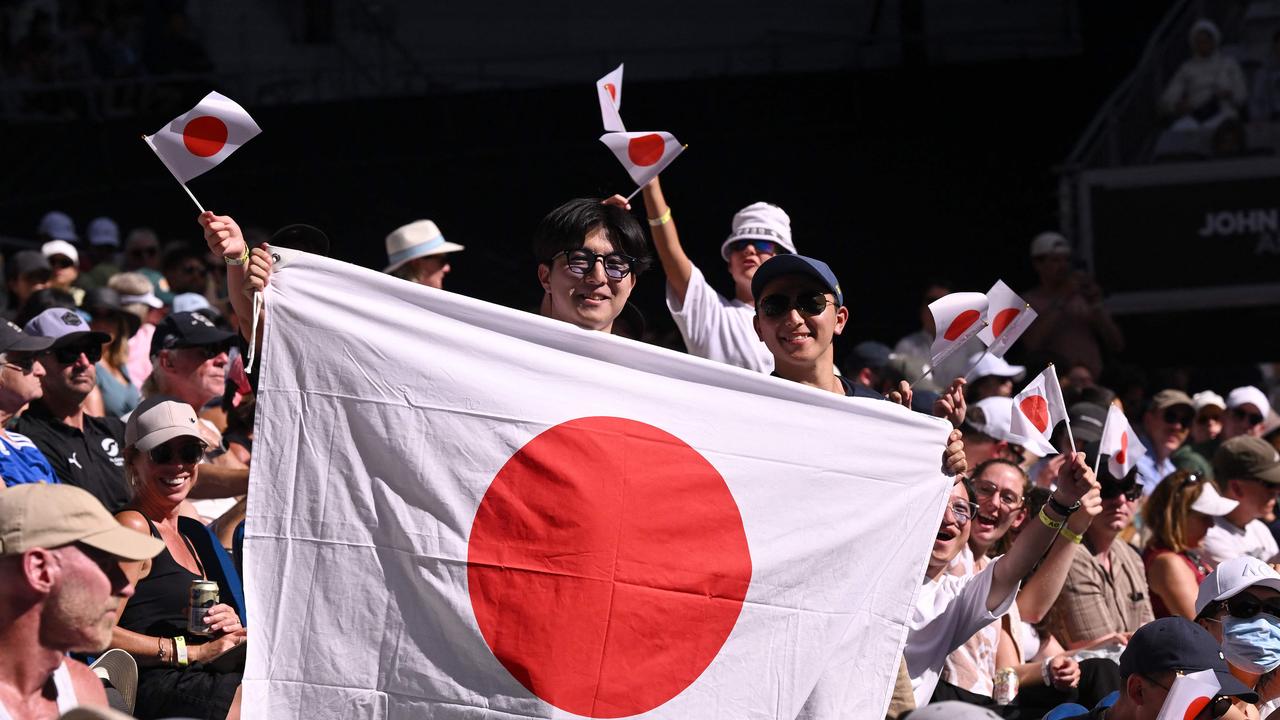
(204, 136)
(612, 90)
(607, 565)
(645, 150)
(1195, 707)
(1036, 410)
(961, 323)
(1003, 318)
(1124, 449)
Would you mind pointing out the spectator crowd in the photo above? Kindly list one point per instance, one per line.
(1053, 589)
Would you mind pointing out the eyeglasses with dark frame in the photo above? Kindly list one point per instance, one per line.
(69, 355)
(186, 453)
(809, 303)
(1219, 707)
(580, 262)
(764, 247)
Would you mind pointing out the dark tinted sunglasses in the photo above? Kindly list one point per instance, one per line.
(1175, 416)
(186, 453)
(61, 262)
(24, 362)
(1245, 606)
(764, 247)
(1250, 418)
(69, 355)
(1110, 491)
(209, 351)
(777, 305)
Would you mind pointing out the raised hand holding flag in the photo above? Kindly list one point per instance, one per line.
(196, 141)
(1037, 410)
(1008, 317)
(1120, 442)
(643, 154)
(609, 90)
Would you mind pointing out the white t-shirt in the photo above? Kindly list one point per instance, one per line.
(717, 328)
(948, 611)
(1225, 541)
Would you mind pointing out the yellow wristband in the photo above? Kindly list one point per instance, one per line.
(662, 219)
(180, 649)
(242, 259)
(1048, 521)
(1074, 537)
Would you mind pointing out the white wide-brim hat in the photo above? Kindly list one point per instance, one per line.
(419, 238)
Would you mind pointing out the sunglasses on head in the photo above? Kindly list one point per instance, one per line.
(1248, 417)
(186, 453)
(764, 247)
(70, 354)
(1176, 416)
(808, 303)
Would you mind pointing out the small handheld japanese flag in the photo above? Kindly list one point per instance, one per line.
(609, 88)
(1121, 443)
(956, 318)
(1008, 316)
(193, 143)
(1189, 695)
(643, 154)
(1037, 410)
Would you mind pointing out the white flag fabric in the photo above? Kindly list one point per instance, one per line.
(196, 141)
(956, 319)
(609, 90)
(643, 154)
(1120, 442)
(1189, 695)
(459, 510)
(1037, 410)
(1008, 317)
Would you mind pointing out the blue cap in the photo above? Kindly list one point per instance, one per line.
(779, 265)
(1175, 643)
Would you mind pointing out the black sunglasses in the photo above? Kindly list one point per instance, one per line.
(1174, 416)
(187, 453)
(69, 355)
(61, 262)
(762, 246)
(1245, 606)
(209, 351)
(1110, 491)
(809, 303)
(23, 362)
(1251, 418)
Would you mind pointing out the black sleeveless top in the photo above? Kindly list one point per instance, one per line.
(159, 604)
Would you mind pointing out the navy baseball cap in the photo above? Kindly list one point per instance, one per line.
(1177, 644)
(780, 265)
(187, 329)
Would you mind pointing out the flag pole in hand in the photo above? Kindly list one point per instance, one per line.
(1063, 403)
(646, 182)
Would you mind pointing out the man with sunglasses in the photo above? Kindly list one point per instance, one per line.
(713, 326)
(20, 372)
(1165, 426)
(1245, 469)
(84, 450)
(1156, 655)
(1105, 596)
(1247, 408)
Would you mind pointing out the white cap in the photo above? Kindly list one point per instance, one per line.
(192, 302)
(1233, 576)
(60, 247)
(419, 238)
(996, 414)
(1050, 243)
(104, 231)
(760, 221)
(1249, 395)
(991, 365)
(57, 225)
(1211, 503)
(1207, 398)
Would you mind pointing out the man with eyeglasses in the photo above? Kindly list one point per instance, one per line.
(1165, 426)
(1156, 655)
(84, 450)
(1245, 469)
(20, 372)
(1105, 596)
(713, 326)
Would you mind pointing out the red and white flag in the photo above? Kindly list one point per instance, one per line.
(643, 154)
(1120, 442)
(1037, 410)
(609, 90)
(547, 522)
(1008, 316)
(194, 142)
(956, 318)
(1189, 695)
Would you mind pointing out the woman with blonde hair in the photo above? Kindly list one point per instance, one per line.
(1178, 514)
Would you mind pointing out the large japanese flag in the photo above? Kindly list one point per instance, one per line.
(196, 141)
(1120, 442)
(643, 154)
(1009, 316)
(609, 91)
(458, 510)
(956, 319)
(1037, 410)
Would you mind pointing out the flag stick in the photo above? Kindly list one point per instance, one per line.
(1062, 403)
(637, 190)
(184, 185)
(975, 362)
(193, 198)
(926, 374)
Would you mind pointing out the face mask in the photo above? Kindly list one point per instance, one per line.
(1252, 645)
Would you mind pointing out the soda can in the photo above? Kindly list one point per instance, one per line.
(1006, 686)
(204, 595)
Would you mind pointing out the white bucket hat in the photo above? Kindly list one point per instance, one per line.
(419, 238)
(760, 221)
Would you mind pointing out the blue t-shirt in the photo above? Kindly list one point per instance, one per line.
(22, 462)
